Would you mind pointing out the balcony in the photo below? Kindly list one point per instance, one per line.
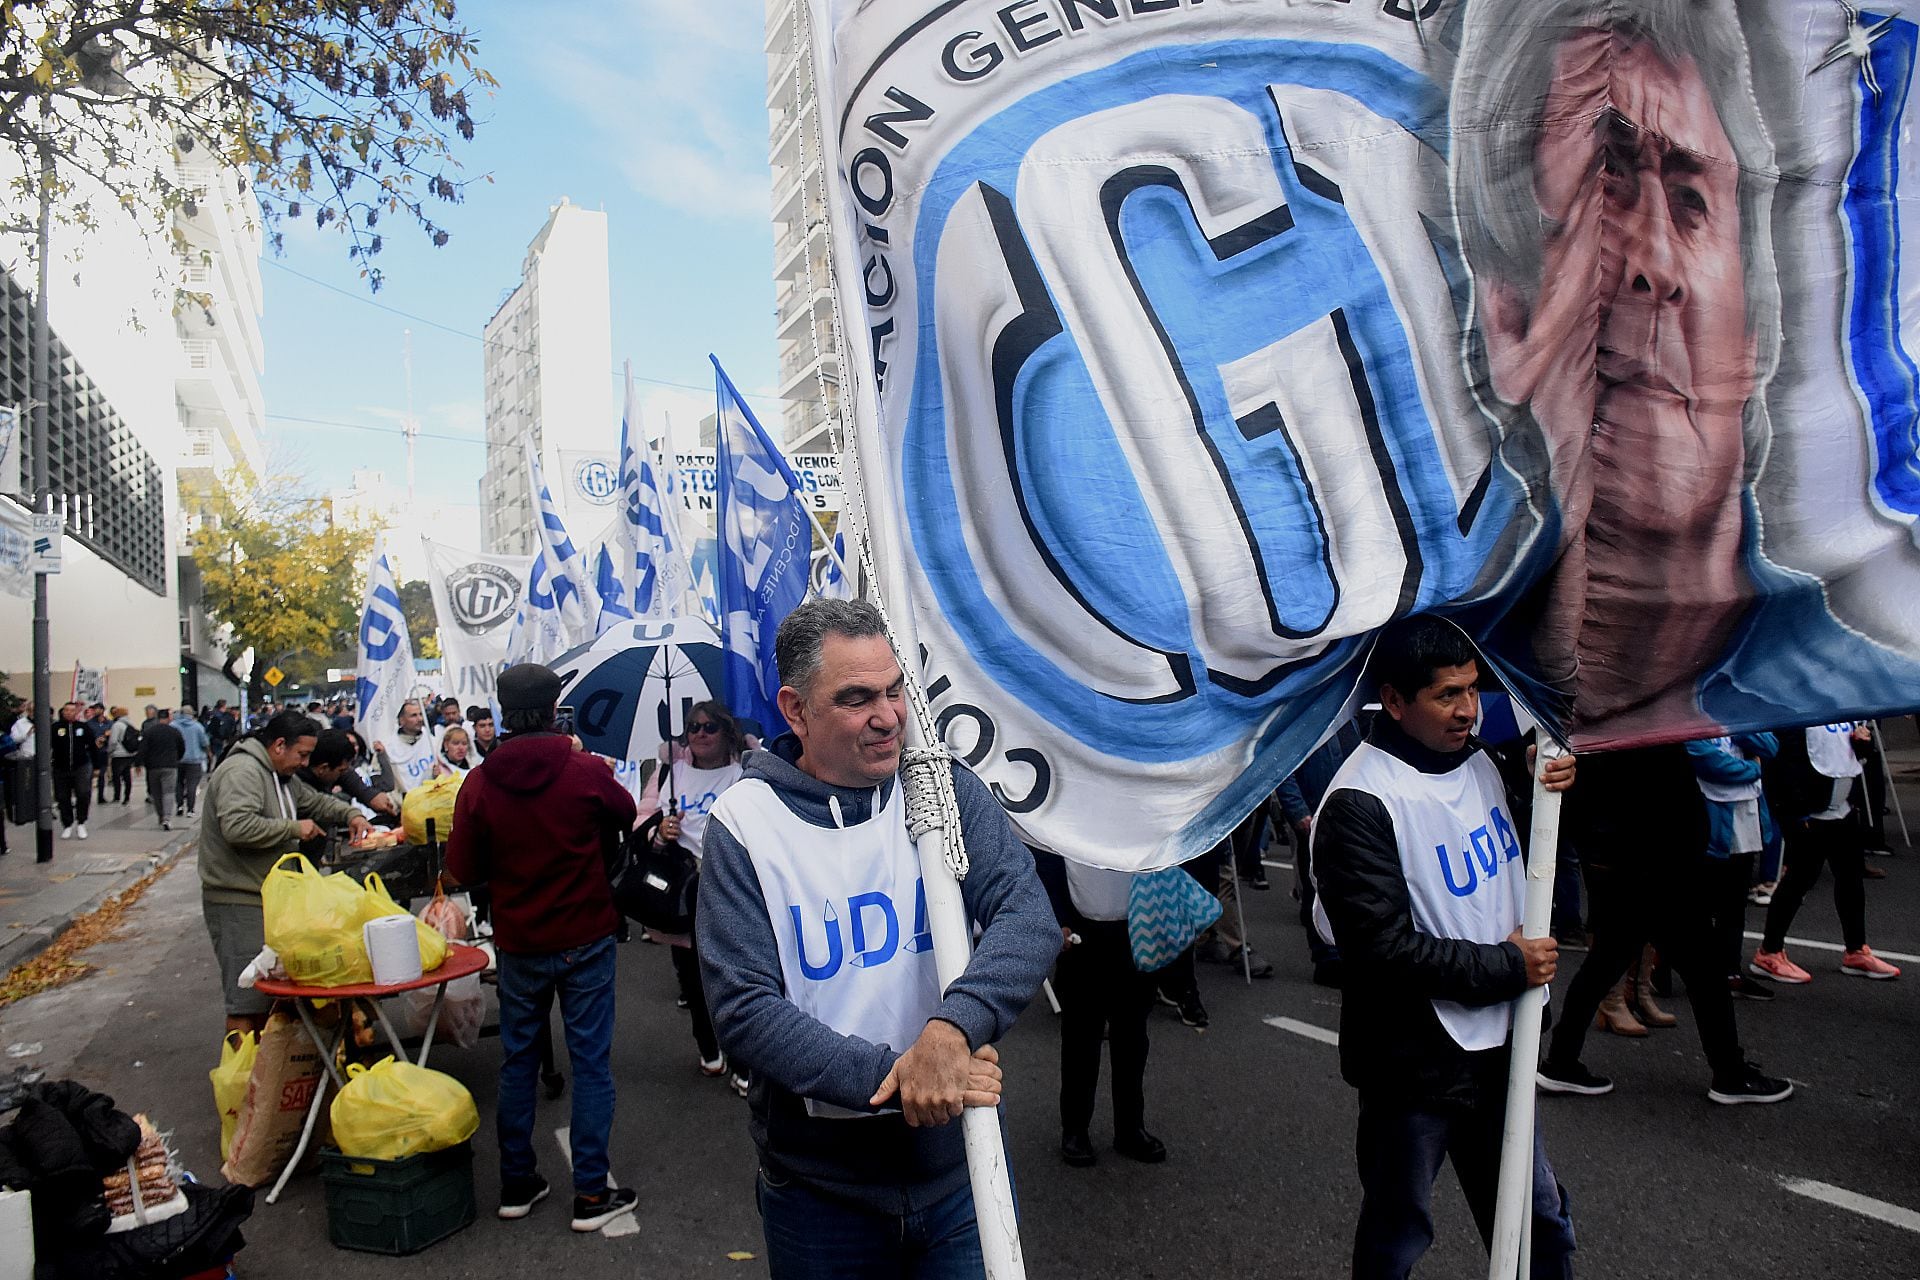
(781, 76)
(207, 389)
(797, 376)
(779, 23)
(235, 325)
(791, 311)
(792, 259)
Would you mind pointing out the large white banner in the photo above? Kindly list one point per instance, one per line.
(474, 598)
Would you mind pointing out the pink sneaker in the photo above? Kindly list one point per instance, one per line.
(1864, 964)
(1775, 965)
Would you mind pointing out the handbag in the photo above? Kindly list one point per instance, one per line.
(658, 883)
(1166, 911)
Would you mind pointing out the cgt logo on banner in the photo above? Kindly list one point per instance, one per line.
(474, 600)
(1216, 333)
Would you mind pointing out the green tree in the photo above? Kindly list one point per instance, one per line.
(276, 565)
(345, 111)
(416, 601)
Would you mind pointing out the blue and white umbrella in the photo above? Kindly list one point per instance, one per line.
(618, 685)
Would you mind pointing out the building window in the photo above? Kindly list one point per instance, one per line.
(93, 456)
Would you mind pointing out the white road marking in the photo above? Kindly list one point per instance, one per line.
(1275, 862)
(1839, 1197)
(1817, 945)
(624, 1225)
(1306, 1029)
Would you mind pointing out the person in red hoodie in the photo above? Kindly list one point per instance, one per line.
(535, 825)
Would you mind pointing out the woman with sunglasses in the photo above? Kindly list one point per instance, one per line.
(694, 774)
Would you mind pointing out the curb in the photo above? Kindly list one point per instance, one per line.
(25, 944)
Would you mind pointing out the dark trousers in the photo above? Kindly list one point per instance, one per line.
(122, 768)
(72, 790)
(686, 967)
(1629, 907)
(186, 788)
(1810, 846)
(1102, 994)
(814, 1236)
(101, 769)
(1727, 882)
(1401, 1145)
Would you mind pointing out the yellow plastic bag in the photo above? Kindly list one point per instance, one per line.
(313, 921)
(433, 943)
(237, 1053)
(431, 799)
(392, 1110)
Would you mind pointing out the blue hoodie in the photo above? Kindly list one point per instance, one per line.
(1733, 761)
(882, 1163)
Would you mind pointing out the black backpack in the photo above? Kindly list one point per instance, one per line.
(131, 739)
(657, 883)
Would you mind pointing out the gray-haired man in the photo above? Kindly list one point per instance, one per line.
(819, 969)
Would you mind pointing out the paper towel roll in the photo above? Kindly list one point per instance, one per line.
(394, 948)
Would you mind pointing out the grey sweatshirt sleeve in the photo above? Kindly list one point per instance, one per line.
(1020, 937)
(755, 1022)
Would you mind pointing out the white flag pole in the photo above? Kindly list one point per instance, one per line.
(1509, 1258)
(936, 825)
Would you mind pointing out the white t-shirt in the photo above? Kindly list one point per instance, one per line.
(695, 791)
(1830, 752)
(1099, 893)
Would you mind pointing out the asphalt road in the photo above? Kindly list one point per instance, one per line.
(1260, 1182)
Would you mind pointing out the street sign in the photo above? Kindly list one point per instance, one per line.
(274, 676)
(47, 539)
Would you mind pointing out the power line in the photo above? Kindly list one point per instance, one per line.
(618, 374)
(367, 426)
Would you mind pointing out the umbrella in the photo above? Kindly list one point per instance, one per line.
(618, 685)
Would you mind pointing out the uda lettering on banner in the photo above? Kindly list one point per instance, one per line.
(1208, 337)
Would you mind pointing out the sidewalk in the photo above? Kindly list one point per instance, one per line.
(39, 900)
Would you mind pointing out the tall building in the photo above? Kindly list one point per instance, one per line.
(803, 294)
(548, 366)
(155, 385)
(218, 398)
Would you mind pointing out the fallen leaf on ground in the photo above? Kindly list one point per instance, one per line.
(58, 964)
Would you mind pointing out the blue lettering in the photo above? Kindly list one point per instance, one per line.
(1503, 830)
(1446, 869)
(922, 939)
(820, 972)
(857, 907)
(379, 634)
(1484, 852)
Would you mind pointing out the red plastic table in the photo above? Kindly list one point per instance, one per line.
(462, 962)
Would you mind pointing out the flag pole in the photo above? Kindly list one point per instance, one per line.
(1893, 792)
(927, 780)
(1513, 1212)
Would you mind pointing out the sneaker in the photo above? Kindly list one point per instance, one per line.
(1572, 1078)
(1761, 895)
(164, 826)
(519, 1195)
(738, 1083)
(1864, 964)
(1192, 1012)
(1775, 965)
(1873, 873)
(80, 829)
(1741, 987)
(1160, 994)
(714, 1066)
(590, 1213)
(66, 833)
(1751, 1086)
(1077, 1150)
(1257, 965)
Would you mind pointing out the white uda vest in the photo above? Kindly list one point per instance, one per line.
(412, 763)
(1460, 854)
(848, 912)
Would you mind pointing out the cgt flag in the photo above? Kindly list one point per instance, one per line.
(561, 608)
(765, 547)
(475, 598)
(384, 671)
(1190, 346)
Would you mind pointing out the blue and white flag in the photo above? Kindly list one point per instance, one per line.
(384, 674)
(650, 559)
(835, 582)
(766, 545)
(562, 607)
(1190, 348)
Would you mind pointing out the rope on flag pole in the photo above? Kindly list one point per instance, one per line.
(927, 774)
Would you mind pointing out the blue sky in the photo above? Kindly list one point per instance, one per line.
(651, 109)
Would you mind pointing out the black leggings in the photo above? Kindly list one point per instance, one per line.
(686, 967)
(1728, 880)
(1102, 996)
(1631, 907)
(1811, 845)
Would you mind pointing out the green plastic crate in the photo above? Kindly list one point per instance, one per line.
(397, 1206)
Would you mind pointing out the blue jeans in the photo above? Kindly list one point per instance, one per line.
(814, 1237)
(1401, 1146)
(583, 979)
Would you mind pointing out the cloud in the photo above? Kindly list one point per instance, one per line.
(673, 93)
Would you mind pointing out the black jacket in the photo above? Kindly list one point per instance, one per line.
(1795, 789)
(161, 746)
(1391, 1041)
(72, 744)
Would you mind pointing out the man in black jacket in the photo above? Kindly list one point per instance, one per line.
(1417, 864)
(72, 770)
(161, 747)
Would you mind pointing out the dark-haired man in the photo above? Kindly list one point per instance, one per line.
(1418, 871)
(858, 1058)
(330, 769)
(485, 738)
(535, 826)
(254, 810)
